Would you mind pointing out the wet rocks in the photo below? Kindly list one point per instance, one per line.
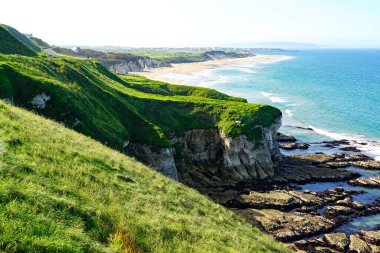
(288, 226)
(372, 182)
(368, 165)
(336, 143)
(282, 200)
(309, 168)
(338, 241)
(372, 237)
(357, 245)
(335, 211)
(285, 138)
(295, 145)
(350, 149)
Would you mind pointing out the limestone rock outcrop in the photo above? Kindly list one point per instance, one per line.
(206, 157)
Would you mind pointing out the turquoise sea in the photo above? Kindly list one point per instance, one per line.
(335, 92)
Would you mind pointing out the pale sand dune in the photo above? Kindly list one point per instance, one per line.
(189, 68)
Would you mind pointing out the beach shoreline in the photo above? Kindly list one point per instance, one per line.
(188, 69)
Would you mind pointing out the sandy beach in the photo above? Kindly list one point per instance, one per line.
(190, 68)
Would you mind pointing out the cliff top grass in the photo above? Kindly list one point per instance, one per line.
(85, 96)
(63, 192)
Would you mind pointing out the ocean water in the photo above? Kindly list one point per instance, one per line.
(335, 92)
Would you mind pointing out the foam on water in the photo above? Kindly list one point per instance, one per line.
(273, 98)
(369, 146)
(289, 112)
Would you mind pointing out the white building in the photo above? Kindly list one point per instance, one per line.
(76, 50)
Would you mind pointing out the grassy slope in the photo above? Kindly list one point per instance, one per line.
(63, 192)
(33, 43)
(10, 45)
(114, 109)
(20, 37)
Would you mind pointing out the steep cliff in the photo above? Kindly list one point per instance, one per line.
(124, 67)
(209, 158)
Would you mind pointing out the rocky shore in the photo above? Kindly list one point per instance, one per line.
(305, 219)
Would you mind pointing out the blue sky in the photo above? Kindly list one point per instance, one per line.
(336, 23)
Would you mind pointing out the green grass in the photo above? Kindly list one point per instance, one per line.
(114, 108)
(63, 192)
(33, 43)
(11, 45)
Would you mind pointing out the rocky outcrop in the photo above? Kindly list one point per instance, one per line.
(39, 101)
(285, 138)
(295, 145)
(340, 242)
(162, 161)
(285, 226)
(372, 182)
(208, 158)
(136, 65)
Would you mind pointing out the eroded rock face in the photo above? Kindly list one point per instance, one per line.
(208, 158)
(162, 161)
(137, 65)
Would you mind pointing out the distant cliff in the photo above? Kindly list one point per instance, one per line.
(123, 62)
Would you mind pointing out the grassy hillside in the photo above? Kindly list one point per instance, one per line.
(63, 192)
(10, 45)
(85, 96)
(33, 43)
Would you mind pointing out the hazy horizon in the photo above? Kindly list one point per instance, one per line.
(148, 23)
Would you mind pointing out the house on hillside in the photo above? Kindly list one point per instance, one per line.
(76, 50)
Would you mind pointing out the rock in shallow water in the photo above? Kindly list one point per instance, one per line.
(357, 245)
(295, 145)
(372, 182)
(282, 200)
(372, 237)
(338, 241)
(285, 138)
